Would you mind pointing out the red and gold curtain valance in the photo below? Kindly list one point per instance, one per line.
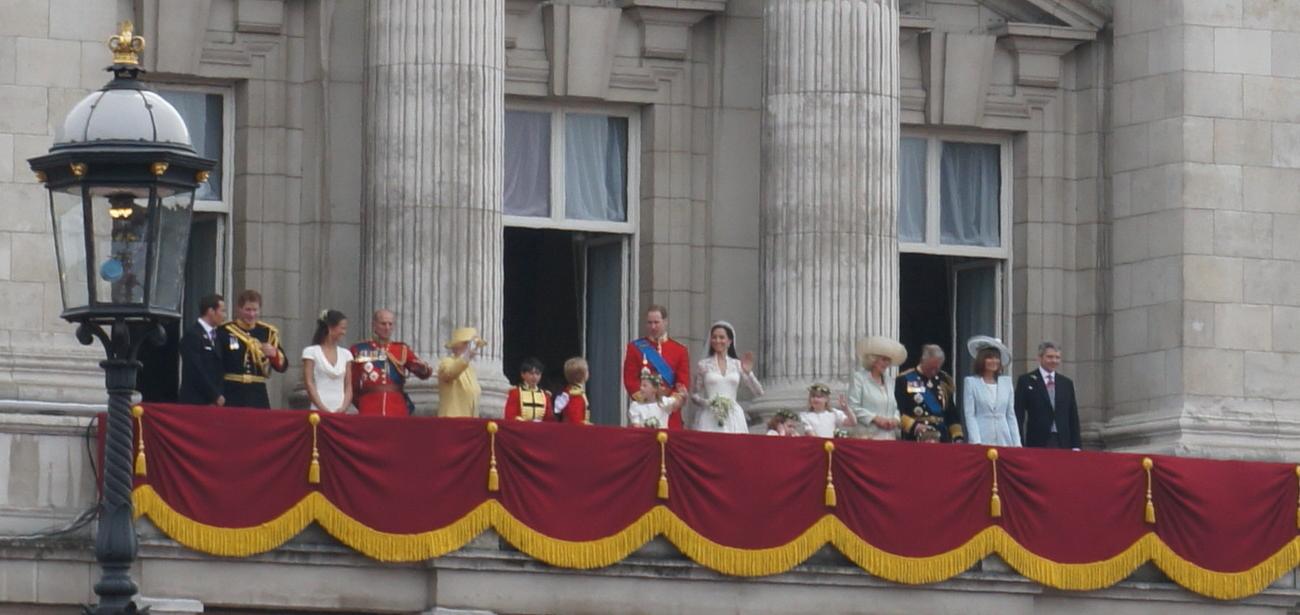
(236, 482)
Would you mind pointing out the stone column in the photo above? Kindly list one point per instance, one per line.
(431, 215)
(830, 152)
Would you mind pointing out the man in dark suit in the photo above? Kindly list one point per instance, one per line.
(201, 371)
(1045, 405)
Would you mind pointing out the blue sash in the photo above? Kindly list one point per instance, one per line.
(652, 355)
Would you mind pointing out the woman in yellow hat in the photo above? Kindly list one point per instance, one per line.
(458, 388)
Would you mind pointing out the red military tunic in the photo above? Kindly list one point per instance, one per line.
(528, 404)
(574, 406)
(678, 360)
(379, 377)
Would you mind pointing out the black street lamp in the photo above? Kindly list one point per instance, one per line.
(121, 176)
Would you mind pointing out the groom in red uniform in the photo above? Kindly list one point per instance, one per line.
(656, 354)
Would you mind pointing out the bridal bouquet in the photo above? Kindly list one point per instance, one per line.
(651, 423)
(721, 407)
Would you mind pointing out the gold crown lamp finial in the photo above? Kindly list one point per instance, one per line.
(125, 45)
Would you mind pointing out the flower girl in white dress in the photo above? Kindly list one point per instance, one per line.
(655, 408)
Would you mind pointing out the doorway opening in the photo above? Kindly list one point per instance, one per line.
(564, 297)
(160, 366)
(946, 300)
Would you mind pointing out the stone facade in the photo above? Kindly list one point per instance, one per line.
(1153, 149)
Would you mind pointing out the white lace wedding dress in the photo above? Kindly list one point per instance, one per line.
(710, 381)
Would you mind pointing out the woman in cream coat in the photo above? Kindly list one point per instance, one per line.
(871, 394)
(988, 396)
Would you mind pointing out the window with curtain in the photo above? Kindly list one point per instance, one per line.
(526, 179)
(595, 167)
(911, 190)
(950, 195)
(202, 113)
(970, 188)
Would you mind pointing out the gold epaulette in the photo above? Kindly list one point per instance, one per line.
(909, 370)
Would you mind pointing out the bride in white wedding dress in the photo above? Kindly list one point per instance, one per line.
(716, 381)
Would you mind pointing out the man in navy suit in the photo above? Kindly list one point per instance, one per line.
(1045, 405)
(201, 372)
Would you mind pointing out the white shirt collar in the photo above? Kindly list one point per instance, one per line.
(207, 328)
(1045, 373)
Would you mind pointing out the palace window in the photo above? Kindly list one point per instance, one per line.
(569, 195)
(208, 113)
(954, 230)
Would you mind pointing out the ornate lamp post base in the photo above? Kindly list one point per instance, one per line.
(115, 539)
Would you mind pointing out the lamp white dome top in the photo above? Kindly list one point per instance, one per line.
(125, 111)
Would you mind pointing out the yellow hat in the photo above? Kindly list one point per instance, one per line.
(463, 334)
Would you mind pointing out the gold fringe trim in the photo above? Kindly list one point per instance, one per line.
(141, 464)
(830, 475)
(313, 471)
(1149, 514)
(383, 546)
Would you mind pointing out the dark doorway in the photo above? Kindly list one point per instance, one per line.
(543, 302)
(924, 306)
(159, 377)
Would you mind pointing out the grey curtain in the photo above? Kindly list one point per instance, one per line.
(595, 167)
(969, 185)
(526, 177)
(911, 190)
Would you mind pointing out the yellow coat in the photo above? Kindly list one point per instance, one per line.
(458, 388)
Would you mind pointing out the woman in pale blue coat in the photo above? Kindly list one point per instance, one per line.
(988, 396)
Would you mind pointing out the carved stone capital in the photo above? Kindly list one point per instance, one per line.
(666, 24)
(1038, 50)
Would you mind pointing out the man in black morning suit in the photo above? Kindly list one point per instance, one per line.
(201, 371)
(1046, 409)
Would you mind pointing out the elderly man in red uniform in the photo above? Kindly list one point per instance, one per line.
(656, 354)
(381, 368)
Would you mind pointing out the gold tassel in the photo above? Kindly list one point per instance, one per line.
(141, 467)
(313, 472)
(830, 475)
(995, 503)
(662, 437)
(1150, 515)
(494, 479)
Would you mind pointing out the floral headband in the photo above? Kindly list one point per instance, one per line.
(819, 389)
(787, 415)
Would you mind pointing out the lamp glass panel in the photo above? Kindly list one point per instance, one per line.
(121, 227)
(70, 246)
(168, 272)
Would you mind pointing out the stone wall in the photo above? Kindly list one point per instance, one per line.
(1204, 169)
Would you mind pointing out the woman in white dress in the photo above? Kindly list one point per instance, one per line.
(987, 397)
(871, 394)
(716, 381)
(325, 364)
